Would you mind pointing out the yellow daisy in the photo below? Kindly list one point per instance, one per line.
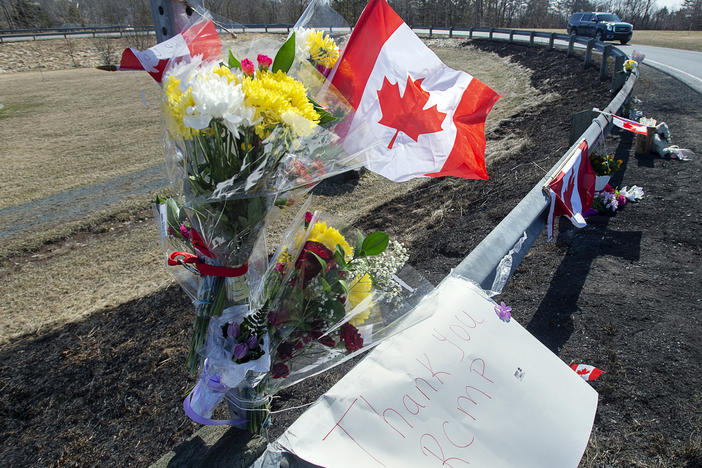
(330, 238)
(323, 49)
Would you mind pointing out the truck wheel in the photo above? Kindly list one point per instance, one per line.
(624, 41)
(598, 36)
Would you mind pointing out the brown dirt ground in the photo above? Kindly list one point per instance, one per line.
(622, 294)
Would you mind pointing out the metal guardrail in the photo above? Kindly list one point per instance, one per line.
(528, 217)
(11, 35)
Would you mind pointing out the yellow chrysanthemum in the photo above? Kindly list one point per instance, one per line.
(274, 96)
(330, 238)
(175, 104)
(223, 70)
(284, 258)
(323, 49)
(360, 289)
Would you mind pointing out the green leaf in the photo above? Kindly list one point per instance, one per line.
(339, 310)
(325, 285)
(173, 214)
(344, 287)
(233, 62)
(321, 262)
(359, 244)
(339, 256)
(286, 54)
(325, 118)
(375, 243)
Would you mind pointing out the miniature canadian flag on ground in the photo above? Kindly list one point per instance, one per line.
(585, 371)
(424, 118)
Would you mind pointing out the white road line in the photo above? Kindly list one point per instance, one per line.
(676, 70)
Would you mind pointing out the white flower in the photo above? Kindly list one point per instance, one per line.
(217, 98)
(634, 193)
(302, 51)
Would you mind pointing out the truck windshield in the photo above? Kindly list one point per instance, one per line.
(607, 17)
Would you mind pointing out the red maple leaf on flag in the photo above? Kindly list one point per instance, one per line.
(583, 372)
(406, 113)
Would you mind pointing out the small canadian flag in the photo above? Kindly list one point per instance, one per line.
(585, 371)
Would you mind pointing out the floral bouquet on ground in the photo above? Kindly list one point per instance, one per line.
(321, 302)
(610, 199)
(604, 164)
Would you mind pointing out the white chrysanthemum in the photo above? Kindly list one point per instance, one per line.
(302, 50)
(217, 98)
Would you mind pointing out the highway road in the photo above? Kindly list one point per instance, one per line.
(685, 65)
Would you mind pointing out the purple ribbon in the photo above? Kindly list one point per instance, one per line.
(216, 386)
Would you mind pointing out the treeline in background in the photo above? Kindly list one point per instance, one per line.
(643, 14)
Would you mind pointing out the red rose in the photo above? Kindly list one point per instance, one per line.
(279, 370)
(307, 263)
(352, 339)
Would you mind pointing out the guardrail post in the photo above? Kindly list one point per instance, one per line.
(604, 66)
(265, 28)
(511, 35)
(619, 76)
(550, 40)
(531, 39)
(451, 32)
(571, 44)
(588, 53)
(431, 30)
(491, 31)
(470, 33)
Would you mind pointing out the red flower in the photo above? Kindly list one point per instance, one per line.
(308, 218)
(327, 341)
(247, 67)
(352, 339)
(285, 350)
(264, 61)
(279, 370)
(307, 263)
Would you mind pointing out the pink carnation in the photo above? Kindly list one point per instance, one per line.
(247, 67)
(264, 61)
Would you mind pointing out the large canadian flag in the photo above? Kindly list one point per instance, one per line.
(572, 190)
(424, 118)
(199, 39)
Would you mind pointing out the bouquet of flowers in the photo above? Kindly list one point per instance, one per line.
(604, 164)
(611, 199)
(320, 302)
(241, 140)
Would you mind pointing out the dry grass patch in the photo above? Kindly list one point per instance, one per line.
(75, 279)
(66, 129)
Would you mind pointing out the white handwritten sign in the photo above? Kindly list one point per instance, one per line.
(460, 388)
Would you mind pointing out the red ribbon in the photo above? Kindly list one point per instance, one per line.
(180, 258)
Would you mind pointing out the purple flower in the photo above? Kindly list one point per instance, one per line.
(503, 311)
(233, 330)
(247, 67)
(252, 342)
(240, 350)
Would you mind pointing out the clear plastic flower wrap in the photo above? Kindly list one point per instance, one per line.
(241, 140)
(320, 302)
